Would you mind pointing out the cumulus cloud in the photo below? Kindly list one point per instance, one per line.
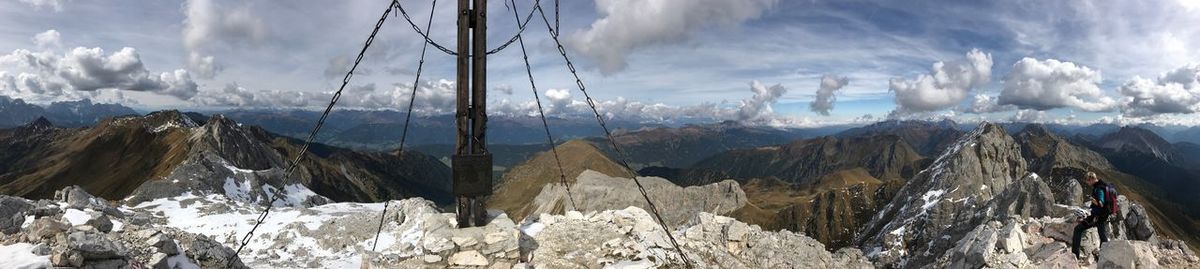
(559, 100)
(48, 39)
(823, 103)
(947, 84)
(759, 105)
(987, 104)
(433, 97)
(626, 25)
(1029, 115)
(90, 69)
(208, 24)
(1174, 92)
(29, 85)
(438, 98)
(1050, 84)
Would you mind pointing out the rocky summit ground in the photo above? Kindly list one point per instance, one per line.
(78, 230)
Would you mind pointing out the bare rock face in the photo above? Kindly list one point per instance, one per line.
(629, 237)
(594, 191)
(100, 239)
(943, 203)
(12, 213)
(1041, 243)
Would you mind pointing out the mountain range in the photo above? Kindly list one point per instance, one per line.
(167, 153)
(895, 194)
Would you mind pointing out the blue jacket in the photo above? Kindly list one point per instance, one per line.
(1098, 193)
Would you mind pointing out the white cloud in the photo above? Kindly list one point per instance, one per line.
(209, 25)
(823, 103)
(947, 84)
(48, 39)
(29, 85)
(626, 25)
(1029, 115)
(987, 104)
(90, 69)
(759, 105)
(1174, 92)
(1050, 84)
(204, 66)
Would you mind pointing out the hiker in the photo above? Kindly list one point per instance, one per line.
(1102, 205)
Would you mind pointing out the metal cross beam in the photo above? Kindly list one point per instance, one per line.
(472, 164)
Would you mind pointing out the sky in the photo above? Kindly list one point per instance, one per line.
(772, 62)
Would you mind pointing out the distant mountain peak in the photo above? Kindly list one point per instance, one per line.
(41, 123)
(1130, 138)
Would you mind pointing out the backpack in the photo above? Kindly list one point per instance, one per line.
(1110, 194)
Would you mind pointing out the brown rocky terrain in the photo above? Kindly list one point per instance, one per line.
(523, 182)
(166, 153)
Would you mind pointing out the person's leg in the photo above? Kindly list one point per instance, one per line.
(1079, 229)
(1102, 228)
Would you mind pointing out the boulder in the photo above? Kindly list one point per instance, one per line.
(106, 264)
(468, 258)
(101, 222)
(94, 246)
(159, 261)
(45, 228)
(163, 244)
(45, 208)
(1137, 223)
(1125, 254)
(208, 253)
(12, 213)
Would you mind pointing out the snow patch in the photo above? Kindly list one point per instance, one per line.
(931, 198)
(76, 217)
(532, 228)
(181, 261)
(20, 256)
(237, 191)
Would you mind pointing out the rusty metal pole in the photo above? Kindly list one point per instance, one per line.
(471, 164)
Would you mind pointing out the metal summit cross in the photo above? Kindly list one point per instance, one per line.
(471, 163)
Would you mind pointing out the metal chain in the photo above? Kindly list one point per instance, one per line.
(520, 28)
(612, 142)
(454, 53)
(312, 135)
(407, 118)
(418, 29)
(562, 174)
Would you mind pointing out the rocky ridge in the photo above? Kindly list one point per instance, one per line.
(76, 229)
(594, 191)
(967, 208)
(198, 232)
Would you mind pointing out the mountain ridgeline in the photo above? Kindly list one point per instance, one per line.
(167, 153)
(895, 194)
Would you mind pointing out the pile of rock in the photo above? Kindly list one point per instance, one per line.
(1045, 243)
(628, 237)
(79, 230)
(631, 237)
